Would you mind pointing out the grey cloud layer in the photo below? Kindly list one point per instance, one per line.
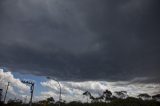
(81, 40)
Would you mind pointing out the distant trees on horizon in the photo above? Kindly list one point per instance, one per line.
(108, 96)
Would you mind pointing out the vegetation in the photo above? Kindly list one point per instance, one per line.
(106, 99)
(116, 102)
(144, 96)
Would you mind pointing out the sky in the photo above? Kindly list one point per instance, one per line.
(84, 44)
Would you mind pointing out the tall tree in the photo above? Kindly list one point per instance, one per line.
(87, 93)
(50, 100)
(156, 97)
(107, 95)
(121, 94)
(144, 96)
(93, 99)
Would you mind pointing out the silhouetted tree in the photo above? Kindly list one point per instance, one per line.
(107, 95)
(75, 103)
(87, 93)
(156, 97)
(50, 100)
(100, 98)
(93, 99)
(15, 102)
(97, 99)
(121, 94)
(144, 96)
(42, 102)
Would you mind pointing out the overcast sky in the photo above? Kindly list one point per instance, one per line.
(81, 40)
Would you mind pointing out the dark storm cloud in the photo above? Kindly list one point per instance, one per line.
(81, 40)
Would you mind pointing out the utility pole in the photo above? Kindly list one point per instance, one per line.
(59, 92)
(6, 92)
(1, 90)
(31, 90)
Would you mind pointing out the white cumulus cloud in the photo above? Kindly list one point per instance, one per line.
(16, 87)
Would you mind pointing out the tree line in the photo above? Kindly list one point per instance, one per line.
(117, 98)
